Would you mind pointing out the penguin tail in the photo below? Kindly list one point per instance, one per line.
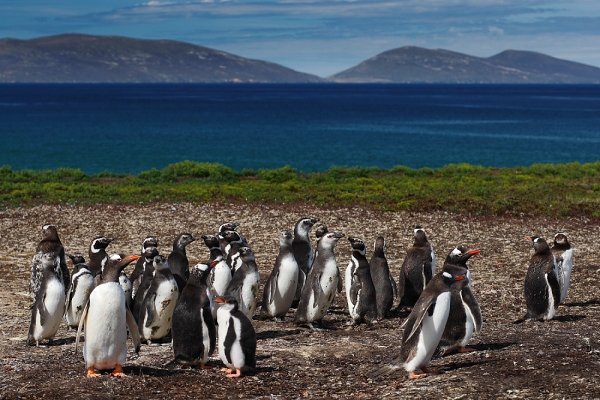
(385, 371)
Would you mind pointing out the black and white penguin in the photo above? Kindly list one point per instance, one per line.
(233, 242)
(417, 269)
(303, 252)
(465, 314)
(178, 261)
(220, 273)
(563, 256)
(360, 292)
(223, 229)
(244, 284)
(50, 243)
(127, 288)
(384, 284)
(321, 284)
(82, 284)
(49, 300)
(425, 324)
(141, 277)
(138, 270)
(281, 285)
(237, 338)
(106, 320)
(97, 254)
(156, 312)
(542, 291)
(194, 333)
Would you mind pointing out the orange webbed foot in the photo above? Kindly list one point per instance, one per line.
(235, 374)
(118, 372)
(466, 350)
(414, 375)
(91, 373)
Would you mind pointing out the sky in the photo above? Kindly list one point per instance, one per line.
(324, 37)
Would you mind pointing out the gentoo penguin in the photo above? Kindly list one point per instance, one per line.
(417, 269)
(360, 292)
(233, 242)
(321, 284)
(237, 338)
(106, 320)
(281, 286)
(138, 270)
(156, 312)
(82, 284)
(465, 315)
(127, 288)
(98, 255)
(220, 273)
(178, 261)
(50, 243)
(244, 284)
(49, 305)
(192, 321)
(383, 282)
(303, 252)
(425, 324)
(563, 256)
(542, 292)
(140, 281)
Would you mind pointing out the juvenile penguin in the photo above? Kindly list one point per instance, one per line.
(383, 282)
(50, 243)
(49, 305)
(138, 270)
(303, 252)
(223, 229)
(156, 312)
(106, 320)
(465, 314)
(194, 333)
(178, 261)
(220, 273)
(141, 282)
(244, 285)
(417, 268)
(234, 243)
(360, 292)
(98, 255)
(127, 288)
(237, 338)
(82, 284)
(321, 284)
(280, 288)
(563, 255)
(542, 292)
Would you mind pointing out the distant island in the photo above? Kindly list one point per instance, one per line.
(77, 58)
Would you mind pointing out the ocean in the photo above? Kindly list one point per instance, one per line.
(132, 128)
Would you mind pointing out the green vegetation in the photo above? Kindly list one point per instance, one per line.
(542, 189)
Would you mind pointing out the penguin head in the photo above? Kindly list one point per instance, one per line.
(211, 241)
(149, 241)
(199, 272)
(228, 226)
(539, 244)
(304, 225)
(379, 244)
(160, 263)
(456, 279)
(285, 239)
(321, 230)
(50, 261)
(232, 236)
(357, 245)
(228, 303)
(183, 240)
(150, 253)
(246, 254)
(330, 239)
(460, 255)
(76, 258)
(561, 239)
(49, 232)
(115, 264)
(99, 243)
(419, 235)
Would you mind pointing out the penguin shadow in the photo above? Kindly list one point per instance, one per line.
(135, 370)
(568, 318)
(62, 341)
(276, 334)
(491, 346)
(464, 364)
(592, 302)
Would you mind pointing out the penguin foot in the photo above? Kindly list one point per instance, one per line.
(236, 374)
(118, 371)
(414, 375)
(431, 371)
(91, 373)
(466, 349)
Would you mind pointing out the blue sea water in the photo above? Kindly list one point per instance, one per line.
(131, 128)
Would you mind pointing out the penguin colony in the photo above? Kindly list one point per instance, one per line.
(210, 306)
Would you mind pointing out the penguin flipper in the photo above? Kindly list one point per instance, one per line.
(554, 286)
(150, 311)
(81, 323)
(394, 287)
(42, 310)
(133, 330)
(354, 289)
(36, 274)
(471, 302)
(415, 319)
(69, 297)
(317, 290)
(273, 285)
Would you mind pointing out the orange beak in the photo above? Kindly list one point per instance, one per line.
(459, 278)
(473, 252)
(220, 300)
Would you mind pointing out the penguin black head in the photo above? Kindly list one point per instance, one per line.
(379, 243)
(150, 253)
(199, 273)
(357, 245)
(246, 254)
(227, 302)
(420, 236)
(99, 243)
(321, 230)
(211, 241)
(228, 226)
(160, 263)
(539, 244)
(149, 241)
(460, 255)
(232, 236)
(76, 258)
(183, 240)
(304, 224)
(560, 240)
(49, 232)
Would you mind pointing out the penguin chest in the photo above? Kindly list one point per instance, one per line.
(287, 280)
(248, 293)
(51, 311)
(221, 278)
(469, 322)
(162, 313)
(80, 297)
(230, 346)
(348, 283)
(205, 335)
(328, 283)
(550, 311)
(564, 273)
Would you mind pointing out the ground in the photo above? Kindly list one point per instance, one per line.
(556, 359)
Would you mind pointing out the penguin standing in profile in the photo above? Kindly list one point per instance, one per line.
(237, 338)
(194, 333)
(223, 229)
(49, 300)
(384, 284)
(281, 285)
(50, 243)
(156, 312)
(82, 284)
(178, 261)
(303, 252)
(360, 291)
(106, 320)
(233, 242)
(98, 255)
(220, 273)
(321, 284)
(138, 270)
(244, 284)
(417, 269)
(140, 282)
(563, 256)
(542, 291)
(465, 314)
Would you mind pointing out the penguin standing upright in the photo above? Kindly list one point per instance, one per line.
(50, 243)
(280, 288)
(194, 333)
(464, 318)
(106, 320)
(138, 270)
(563, 256)
(417, 268)
(321, 284)
(223, 229)
(49, 300)
(244, 284)
(303, 252)
(233, 242)
(178, 261)
(383, 282)
(127, 288)
(140, 282)
(360, 292)
(542, 291)
(237, 338)
(156, 312)
(98, 255)
(82, 284)
(220, 273)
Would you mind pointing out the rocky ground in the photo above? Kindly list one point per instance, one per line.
(556, 359)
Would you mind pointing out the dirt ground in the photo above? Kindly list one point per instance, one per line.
(551, 360)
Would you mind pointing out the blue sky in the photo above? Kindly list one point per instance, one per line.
(324, 37)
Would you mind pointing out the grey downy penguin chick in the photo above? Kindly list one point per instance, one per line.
(50, 243)
(281, 285)
(385, 286)
(360, 292)
(417, 268)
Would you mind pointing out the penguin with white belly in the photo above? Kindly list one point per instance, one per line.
(360, 292)
(244, 284)
(51, 244)
(138, 270)
(82, 284)
(142, 282)
(106, 320)
(563, 256)
(97, 254)
(281, 286)
(542, 291)
(220, 273)
(303, 252)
